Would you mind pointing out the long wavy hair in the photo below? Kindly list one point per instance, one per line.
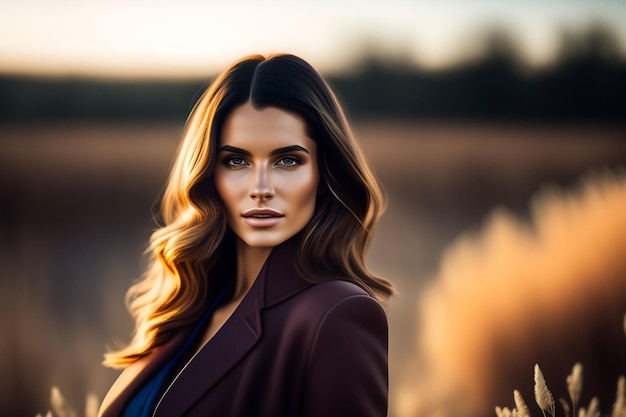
(193, 251)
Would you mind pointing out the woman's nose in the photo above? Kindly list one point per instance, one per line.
(261, 187)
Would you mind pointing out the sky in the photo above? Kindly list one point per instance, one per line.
(193, 38)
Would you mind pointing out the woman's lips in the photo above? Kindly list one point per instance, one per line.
(262, 217)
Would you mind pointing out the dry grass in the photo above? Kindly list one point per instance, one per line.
(520, 292)
(61, 408)
(543, 396)
(574, 383)
(76, 214)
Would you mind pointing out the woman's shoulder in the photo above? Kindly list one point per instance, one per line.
(337, 289)
(337, 295)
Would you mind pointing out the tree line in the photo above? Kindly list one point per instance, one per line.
(586, 83)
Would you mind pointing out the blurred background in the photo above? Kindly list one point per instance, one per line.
(498, 131)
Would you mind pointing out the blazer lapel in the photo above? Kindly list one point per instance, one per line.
(283, 280)
(227, 348)
(277, 281)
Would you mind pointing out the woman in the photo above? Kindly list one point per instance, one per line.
(257, 301)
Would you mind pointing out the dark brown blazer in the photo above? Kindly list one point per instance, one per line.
(290, 349)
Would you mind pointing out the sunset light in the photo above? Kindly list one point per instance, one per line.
(190, 38)
(494, 128)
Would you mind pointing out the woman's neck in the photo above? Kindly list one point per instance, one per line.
(250, 260)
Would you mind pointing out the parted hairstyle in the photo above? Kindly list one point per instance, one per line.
(193, 250)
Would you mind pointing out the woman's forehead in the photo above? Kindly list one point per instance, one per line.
(263, 129)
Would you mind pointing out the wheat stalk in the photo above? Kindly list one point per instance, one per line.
(565, 406)
(545, 400)
(62, 409)
(92, 405)
(592, 410)
(59, 405)
(522, 408)
(619, 407)
(505, 412)
(543, 396)
(575, 385)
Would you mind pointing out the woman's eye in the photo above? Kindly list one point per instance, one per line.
(235, 161)
(288, 161)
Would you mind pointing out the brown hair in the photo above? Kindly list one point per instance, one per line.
(194, 246)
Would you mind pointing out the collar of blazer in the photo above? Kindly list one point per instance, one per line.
(276, 282)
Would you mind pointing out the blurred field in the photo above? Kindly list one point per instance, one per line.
(75, 216)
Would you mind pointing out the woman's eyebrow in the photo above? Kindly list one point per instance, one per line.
(278, 151)
(234, 149)
(287, 149)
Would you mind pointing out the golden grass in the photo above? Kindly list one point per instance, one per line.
(61, 408)
(543, 396)
(546, 402)
(518, 290)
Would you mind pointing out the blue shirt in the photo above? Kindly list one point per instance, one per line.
(143, 403)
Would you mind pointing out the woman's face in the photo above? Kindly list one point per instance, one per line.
(266, 175)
